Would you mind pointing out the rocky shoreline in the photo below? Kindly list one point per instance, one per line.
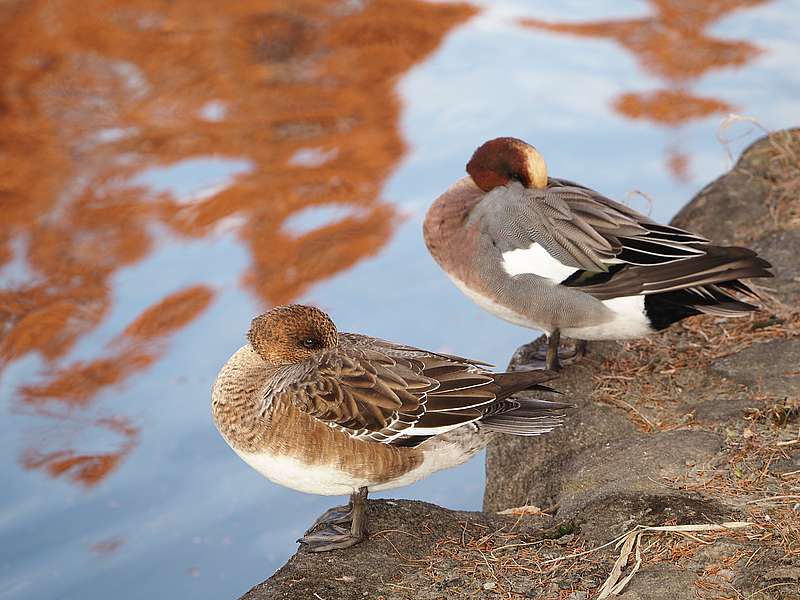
(683, 431)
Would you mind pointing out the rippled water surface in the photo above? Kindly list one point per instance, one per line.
(170, 169)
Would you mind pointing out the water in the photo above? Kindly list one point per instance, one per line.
(170, 170)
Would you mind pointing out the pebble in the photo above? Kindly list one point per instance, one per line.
(565, 539)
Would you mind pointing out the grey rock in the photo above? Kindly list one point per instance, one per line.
(780, 248)
(721, 409)
(661, 582)
(633, 465)
(539, 464)
(728, 206)
(771, 368)
(383, 565)
(716, 552)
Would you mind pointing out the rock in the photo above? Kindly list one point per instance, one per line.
(539, 477)
(661, 582)
(771, 368)
(720, 409)
(781, 248)
(632, 465)
(726, 209)
(723, 550)
(671, 452)
(410, 530)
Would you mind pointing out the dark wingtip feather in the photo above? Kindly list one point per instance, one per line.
(507, 384)
(532, 377)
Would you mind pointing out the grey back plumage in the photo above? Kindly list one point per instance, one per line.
(618, 251)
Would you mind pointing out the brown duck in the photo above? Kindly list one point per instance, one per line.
(333, 413)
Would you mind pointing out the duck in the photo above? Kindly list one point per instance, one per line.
(556, 256)
(330, 413)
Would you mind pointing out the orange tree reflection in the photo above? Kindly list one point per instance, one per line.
(92, 98)
(672, 44)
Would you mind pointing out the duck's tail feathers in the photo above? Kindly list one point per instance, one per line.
(524, 416)
(712, 299)
(720, 266)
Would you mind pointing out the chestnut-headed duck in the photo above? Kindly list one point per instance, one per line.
(554, 255)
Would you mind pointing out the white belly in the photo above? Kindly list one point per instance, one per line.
(439, 455)
(296, 475)
(441, 452)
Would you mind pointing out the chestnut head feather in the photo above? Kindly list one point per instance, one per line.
(506, 159)
(291, 334)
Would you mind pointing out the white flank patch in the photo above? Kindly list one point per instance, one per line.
(303, 477)
(629, 321)
(536, 261)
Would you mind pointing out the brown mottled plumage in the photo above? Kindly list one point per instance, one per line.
(337, 413)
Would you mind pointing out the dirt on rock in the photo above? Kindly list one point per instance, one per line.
(676, 476)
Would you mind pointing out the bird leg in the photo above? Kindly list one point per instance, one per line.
(333, 536)
(553, 357)
(553, 341)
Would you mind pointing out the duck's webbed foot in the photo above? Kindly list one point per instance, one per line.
(338, 515)
(333, 536)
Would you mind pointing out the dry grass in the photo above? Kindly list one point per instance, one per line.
(755, 476)
(513, 566)
(650, 375)
(508, 564)
(783, 177)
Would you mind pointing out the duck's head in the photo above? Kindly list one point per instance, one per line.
(502, 160)
(291, 334)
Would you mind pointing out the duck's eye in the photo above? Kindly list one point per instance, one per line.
(309, 343)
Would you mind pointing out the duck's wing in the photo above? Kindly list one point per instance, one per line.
(579, 228)
(579, 238)
(400, 395)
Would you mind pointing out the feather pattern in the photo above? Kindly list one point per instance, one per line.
(376, 391)
(618, 252)
(581, 228)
